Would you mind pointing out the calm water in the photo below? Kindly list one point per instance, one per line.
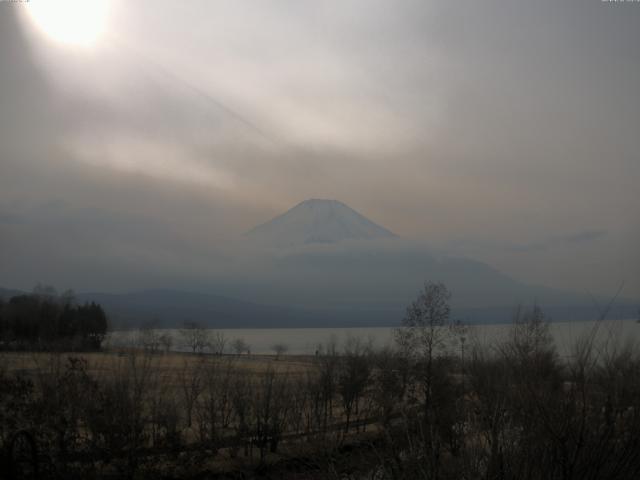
(306, 340)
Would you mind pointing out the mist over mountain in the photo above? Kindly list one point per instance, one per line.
(321, 263)
(330, 265)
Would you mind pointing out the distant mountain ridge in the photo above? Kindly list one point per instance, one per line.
(163, 308)
(171, 308)
(7, 293)
(316, 221)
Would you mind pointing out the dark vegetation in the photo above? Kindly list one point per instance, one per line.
(44, 320)
(436, 406)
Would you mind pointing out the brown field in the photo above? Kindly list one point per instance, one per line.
(170, 364)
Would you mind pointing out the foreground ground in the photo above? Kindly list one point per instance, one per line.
(515, 410)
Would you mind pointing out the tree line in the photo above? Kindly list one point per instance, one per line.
(45, 320)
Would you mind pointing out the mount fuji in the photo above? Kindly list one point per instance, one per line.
(323, 255)
(323, 264)
(316, 221)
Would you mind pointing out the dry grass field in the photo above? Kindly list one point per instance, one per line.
(172, 364)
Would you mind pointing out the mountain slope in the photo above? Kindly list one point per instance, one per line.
(316, 221)
(332, 258)
(7, 293)
(170, 308)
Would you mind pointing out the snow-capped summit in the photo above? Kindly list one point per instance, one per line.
(316, 221)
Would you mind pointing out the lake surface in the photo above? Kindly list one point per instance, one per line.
(305, 341)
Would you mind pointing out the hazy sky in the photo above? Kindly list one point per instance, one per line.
(505, 131)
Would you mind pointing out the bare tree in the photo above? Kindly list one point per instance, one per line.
(241, 400)
(390, 383)
(327, 364)
(460, 333)
(240, 346)
(192, 385)
(354, 377)
(166, 341)
(149, 338)
(422, 332)
(279, 349)
(218, 343)
(301, 405)
(195, 336)
(271, 407)
(215, 409)
(423, 337)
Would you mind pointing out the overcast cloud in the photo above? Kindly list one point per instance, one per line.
(505, 131)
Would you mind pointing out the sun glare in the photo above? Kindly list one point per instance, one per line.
(72, 22)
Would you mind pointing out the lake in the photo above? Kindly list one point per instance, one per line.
(305, 341)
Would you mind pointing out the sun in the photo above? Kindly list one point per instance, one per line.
(71, 22)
